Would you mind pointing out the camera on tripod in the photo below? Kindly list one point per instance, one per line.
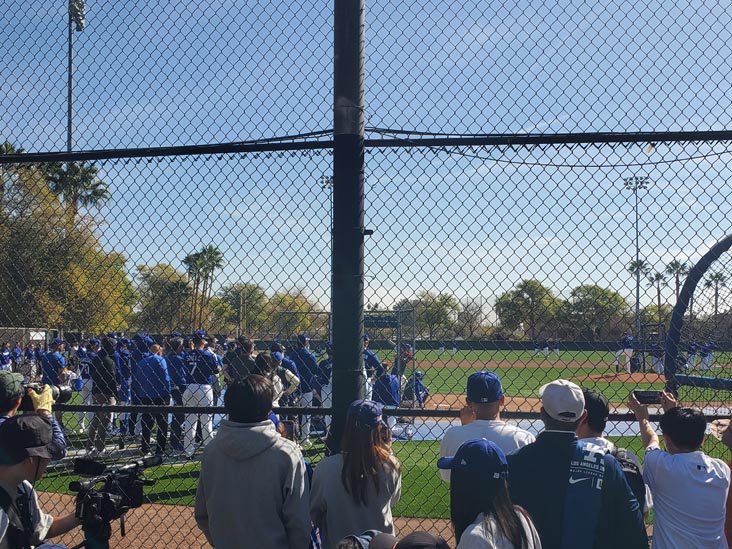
(107, 496)
(60, 393)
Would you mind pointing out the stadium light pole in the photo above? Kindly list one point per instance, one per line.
(636, 183)
(77, 14)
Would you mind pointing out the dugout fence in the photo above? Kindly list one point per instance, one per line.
(517, 185)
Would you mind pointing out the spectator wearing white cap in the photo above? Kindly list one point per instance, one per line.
(481, 418)
(575, 492)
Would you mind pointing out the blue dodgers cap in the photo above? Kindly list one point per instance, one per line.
(175, 334)
(57, 341)
(479, 458)
(303, 338)
(278, 356)
(95, 341)
(366, 414)
(201, 334)
(366, 337)
(484, 387)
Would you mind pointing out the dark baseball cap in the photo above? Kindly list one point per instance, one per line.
(422, 540)
(373, 539)
(29, 435)
(57, 341)
(481, 459)
(597, 406)
(484, 387)
(201, 335)
(366, 413)
(11, 385)
(276, 347)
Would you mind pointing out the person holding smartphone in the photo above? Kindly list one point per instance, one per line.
(689, 487)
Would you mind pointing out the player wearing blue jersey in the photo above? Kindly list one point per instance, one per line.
(307, 366)
(625, 349)
(201, 367)
(693, 349)
(706, 352)
(371, 364)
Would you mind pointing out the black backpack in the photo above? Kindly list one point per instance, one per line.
(18, 533)
(633, 475)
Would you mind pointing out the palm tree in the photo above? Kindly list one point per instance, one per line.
(640, 266)
(77, 185)
(657, 280)
(677, 269)
(716, 280)
(211, 259)
(194, 268)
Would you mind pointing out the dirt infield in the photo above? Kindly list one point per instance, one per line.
(518, 363)
(155, 526)
(442, 401)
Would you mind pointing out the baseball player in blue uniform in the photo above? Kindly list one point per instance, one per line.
(706, 353)
(626, 349)
(555, 347)
(307, 365)
(371, 364)
(693, 348)
(387, 389)
(201, 367)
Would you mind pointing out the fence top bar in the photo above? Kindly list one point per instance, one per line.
(282, 144)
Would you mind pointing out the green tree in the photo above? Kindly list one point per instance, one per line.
(77, 185)
(677, 269)
(436, 314)
(596, 311)
(716, 280)
(640, 266)
(470, 319)
(248, 304)
(290, 313)
(657, 280)
(164, 298)
(652, 314)
(530, 303)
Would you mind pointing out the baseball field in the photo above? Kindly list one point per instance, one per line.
(425, 499)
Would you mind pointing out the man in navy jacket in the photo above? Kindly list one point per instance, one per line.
(151, 387)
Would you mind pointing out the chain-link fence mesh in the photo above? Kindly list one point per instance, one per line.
(535, 256)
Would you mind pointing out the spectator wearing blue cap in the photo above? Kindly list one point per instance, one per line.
(201, 367)
(139, 350)
(85, 356)
(481, 418)
(307, 366)
(480, 506)
(354, 490)
(372, 365)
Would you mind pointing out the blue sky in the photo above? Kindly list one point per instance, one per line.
(174, 73)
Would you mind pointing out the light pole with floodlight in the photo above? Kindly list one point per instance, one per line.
(636, 183)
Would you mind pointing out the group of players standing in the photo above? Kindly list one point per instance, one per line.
(188, 371)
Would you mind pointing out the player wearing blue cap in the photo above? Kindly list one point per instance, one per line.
(307, 366)
(481, 418)
(625, 349)
(201, 367)
(386, 391)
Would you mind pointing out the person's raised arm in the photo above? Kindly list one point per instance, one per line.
(648, 435)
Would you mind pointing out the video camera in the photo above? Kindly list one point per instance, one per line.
(107, 496)
(61, 394)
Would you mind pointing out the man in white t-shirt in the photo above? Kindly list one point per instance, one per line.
(592, 426)
(481, 418)
(689, 487)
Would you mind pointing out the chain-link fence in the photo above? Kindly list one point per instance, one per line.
(539, 180)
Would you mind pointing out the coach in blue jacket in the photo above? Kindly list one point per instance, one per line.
(151, 387)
